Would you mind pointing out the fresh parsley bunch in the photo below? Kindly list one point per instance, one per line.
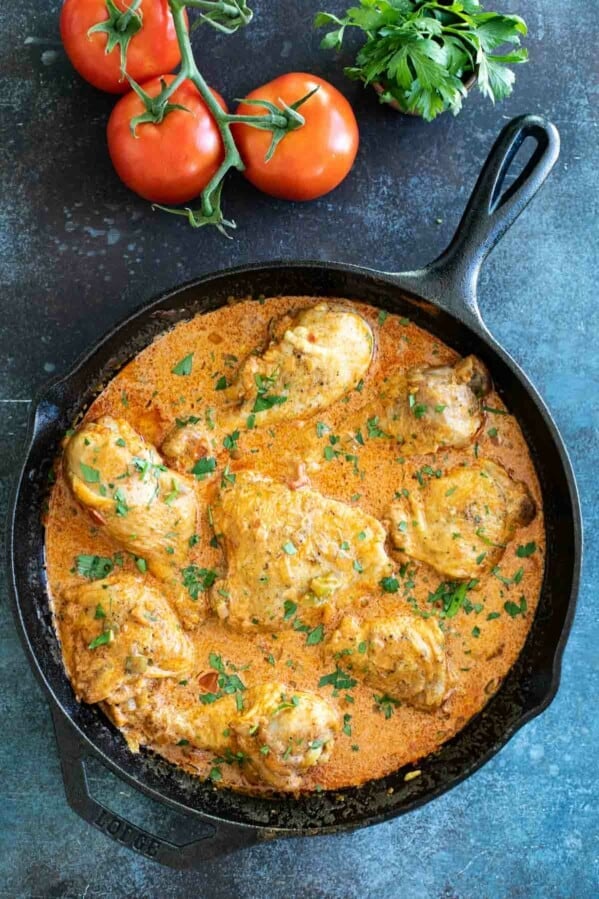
(421, 52)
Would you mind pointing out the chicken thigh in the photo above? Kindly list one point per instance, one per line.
(291, 551)
(118, 632)
(425, 409)
(402, 655)
(461, 523)
(145, 506)
(313, 359)
(276, 737)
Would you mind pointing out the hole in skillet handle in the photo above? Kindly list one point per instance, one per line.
(214, 839)
(452, 279)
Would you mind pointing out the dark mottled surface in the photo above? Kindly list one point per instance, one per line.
(78, 251)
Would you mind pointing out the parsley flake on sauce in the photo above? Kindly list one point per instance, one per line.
(527, 550)
(196, 580)
(204, 467)
(93, 567)
(90, 475)
(183, 366)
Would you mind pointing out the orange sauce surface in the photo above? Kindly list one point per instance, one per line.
(483, 640)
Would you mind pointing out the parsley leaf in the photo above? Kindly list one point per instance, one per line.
(203, 467)
(93, 567)
(183, 366)
(527, 550)
(196, 580)
(90, 475)
(421, 52)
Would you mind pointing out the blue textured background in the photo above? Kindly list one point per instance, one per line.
(77, 252)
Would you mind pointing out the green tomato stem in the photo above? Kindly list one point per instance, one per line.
(126, 16)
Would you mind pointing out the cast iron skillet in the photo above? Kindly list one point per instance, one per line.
(440, 298)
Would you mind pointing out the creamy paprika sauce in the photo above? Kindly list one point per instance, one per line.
(483, 635)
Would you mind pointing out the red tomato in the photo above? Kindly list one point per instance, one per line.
(170, 162)
(151, 51)
(308, 162)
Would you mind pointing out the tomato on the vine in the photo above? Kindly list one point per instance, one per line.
(173, 161)
(310, 161)
(89, 27)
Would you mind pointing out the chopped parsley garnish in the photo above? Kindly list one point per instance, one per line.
(251, 421)
(480, 533)
(382, 317)
(338, 679)
(204, 467)
(386, 704)
(492, 432)
(228, 477)
(196, 580)
(228, 685)
(93, 567)
(265, 400)
(102, 639)
(142, 565)
(289, 609)
(427, 471)
(99, 613)
(221, 384)
(508, 581)
(527, 550)
(389, 584)
(190, 420)
(315, 636)
(230, 441)
(321, 429)
(183, 366)
(121, 508)
(516, 608)
(173, 494)
(372, 426)
(90, 475)
(452, 596)
(495, 411)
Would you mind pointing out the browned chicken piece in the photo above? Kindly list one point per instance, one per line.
(117, 634)
(312, 360)
(429, 408)
(291, 554)
(283, 733)
(461, 523)
(402, 655)
(146, 507)
(277, 736)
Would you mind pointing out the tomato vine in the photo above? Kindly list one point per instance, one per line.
(227, 16)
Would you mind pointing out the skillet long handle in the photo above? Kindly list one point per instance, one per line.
(216, 840)
(452, 279)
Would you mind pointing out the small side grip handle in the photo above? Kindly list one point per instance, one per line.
(218, 840)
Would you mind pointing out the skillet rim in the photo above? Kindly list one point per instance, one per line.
(312, 269)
